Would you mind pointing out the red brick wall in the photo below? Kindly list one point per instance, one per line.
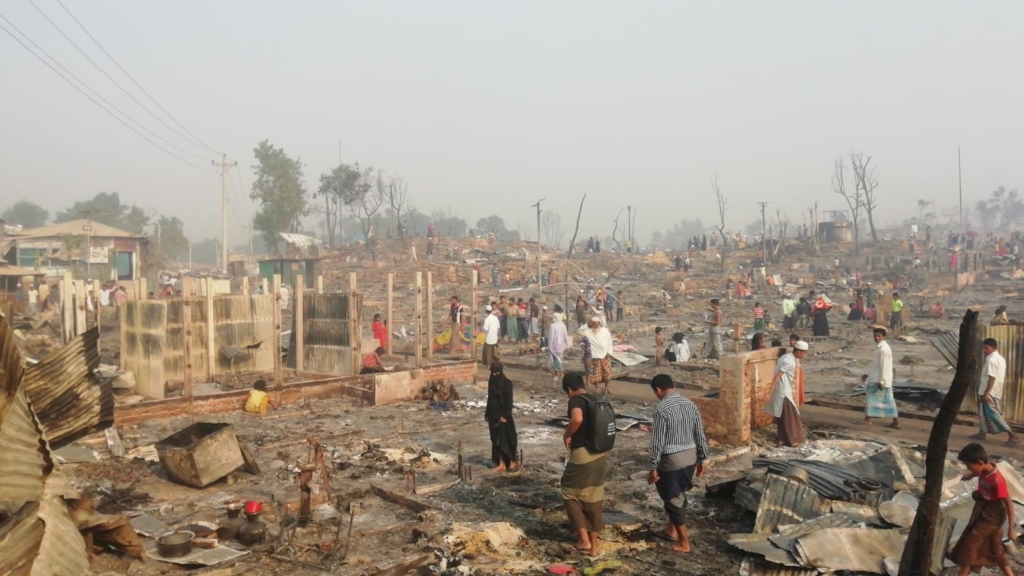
(360, 387)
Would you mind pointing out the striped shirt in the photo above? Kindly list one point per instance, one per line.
(758, 313)
(677, 427)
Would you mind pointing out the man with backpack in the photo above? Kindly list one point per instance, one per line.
(678, 450)
(589, 437)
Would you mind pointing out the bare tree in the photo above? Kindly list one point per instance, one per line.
(783, 226)
(397, 194)
(866, 181)
(615, 230)
(722, 203)
(367, 200)
(551, 228)
(572, 243)
(813, 230)
(854, 200)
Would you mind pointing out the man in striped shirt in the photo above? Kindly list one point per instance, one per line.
(678, 450)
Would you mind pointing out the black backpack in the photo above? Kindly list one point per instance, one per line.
(600, 422)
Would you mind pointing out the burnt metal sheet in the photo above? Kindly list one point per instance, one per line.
(327, 345)
(756, 567)
(853, 549)
(10, 364)
(787, 537)
(826, 479)
(760, 545)
(20, 538)
(1011, 346)
(948, 345)
(785, 502)
(66, 396)
(62, 549)
(25, 460)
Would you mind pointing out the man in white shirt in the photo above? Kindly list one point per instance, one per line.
(33, 299)
(600, 349)
(879, 402)
(492, 331)
(990, 395)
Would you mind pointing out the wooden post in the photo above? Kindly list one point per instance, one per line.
(80, 315)
(298, 334)
(98, 310)
(187, 287)
(67, 310)
(245, 285)
(186, 329)
(430, 318)
(211, 347)
(143, 293)
(276, 299)
(319, 284)
(355, 329)
(390, 308)
(418, 340)
(473, 313)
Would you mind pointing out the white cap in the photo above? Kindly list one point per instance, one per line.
(596, 319)
(488, 307)
(801, 345)
(545, 307)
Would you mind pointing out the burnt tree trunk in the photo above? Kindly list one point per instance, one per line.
(917, 556)
(572, 242)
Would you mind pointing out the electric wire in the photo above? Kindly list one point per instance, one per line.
(195, 138)
(86, 94)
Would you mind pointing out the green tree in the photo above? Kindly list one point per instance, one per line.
(106, 208)
(448, 224)
(281, 192)
(497, 225)
(340, 187)
(26, 213)
(169, 235)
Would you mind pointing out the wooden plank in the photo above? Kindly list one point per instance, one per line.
(430, 317)
(403, 501)
(390, 309)
(300, 328)
(402, 567)
(418, 340)
(278, 381)
(354, 329)
(435, 488)
(473, 313)
(211, 324)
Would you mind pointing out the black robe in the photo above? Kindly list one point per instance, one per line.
(504, 440)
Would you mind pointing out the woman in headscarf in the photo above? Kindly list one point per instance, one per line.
(1000, 318)
(499, 420)
(819, 312)
(558, 341)
(757, 341)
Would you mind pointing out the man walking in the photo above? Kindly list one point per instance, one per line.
(558, 341)
(788, 313)
(678, 450)
(878, 394)
(492, 330)
(582, 484)
(896, 320)
(990, 395)
(714, 323)
(600, 349)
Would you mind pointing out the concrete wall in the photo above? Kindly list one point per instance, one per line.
(394, 387)
(153, 338)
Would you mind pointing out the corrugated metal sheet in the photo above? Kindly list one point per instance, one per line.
(25, 459)
(68, 399)
(756, 567)
(1011, 346)
(20, 538)
(10, 364)
(62, 550)
(787, 537)
(327, 346)
(785, 502)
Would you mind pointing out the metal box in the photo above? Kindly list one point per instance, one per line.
(200, 454)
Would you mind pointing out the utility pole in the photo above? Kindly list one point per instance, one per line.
(764, 241)
(224, 166)
(540, 277)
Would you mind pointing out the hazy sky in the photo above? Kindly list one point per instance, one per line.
(485, 107)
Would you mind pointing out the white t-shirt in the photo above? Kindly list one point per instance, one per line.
(995, 365)
(33, 296)
(681, 350)
(284, 297)
(492, 326)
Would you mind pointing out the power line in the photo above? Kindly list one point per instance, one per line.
(104, 72)
(91, 99)
(137, 85)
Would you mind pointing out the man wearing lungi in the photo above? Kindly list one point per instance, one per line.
(678, 450)
(781, 404)
(879, 402)
(990, 395)
(582, 484)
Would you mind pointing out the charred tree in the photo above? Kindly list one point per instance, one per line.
(572, 243)
(917, 555)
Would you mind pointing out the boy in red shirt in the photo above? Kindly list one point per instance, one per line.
(981, 543)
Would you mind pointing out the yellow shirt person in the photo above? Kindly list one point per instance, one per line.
(258, 399)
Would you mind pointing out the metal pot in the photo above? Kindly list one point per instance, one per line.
(175, 544)
(797, 474)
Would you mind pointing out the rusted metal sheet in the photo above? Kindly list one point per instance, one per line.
(327, 344)
(10, 364)
(68, 399)
(1011, 346)
(756, 567)
(62, 549)
(200, 454)
(787, 537)
(25, 460)
(786, 502)
(20, 538)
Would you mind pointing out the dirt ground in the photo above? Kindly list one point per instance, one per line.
(475, 521)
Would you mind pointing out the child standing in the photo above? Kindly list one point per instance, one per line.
(982, 543)
(659, 345)
(758, 317)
